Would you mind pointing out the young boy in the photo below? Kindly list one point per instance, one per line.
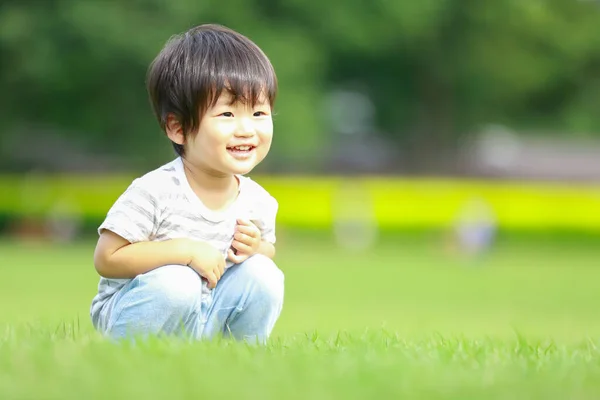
(188, 248)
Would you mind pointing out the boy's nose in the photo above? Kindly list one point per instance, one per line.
(245, 127)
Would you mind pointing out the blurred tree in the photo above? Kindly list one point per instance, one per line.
(80, 67)
(435, 70)
(438, 69)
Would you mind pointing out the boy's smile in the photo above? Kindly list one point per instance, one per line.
(241, 152)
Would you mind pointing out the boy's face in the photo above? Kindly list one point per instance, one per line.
(232, 138)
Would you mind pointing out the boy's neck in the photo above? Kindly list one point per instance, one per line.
(216, 191)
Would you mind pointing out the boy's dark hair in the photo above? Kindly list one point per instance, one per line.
(193, 69)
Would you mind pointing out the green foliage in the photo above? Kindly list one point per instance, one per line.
(434, 69)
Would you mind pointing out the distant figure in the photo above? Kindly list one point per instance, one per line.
(474, 229)
(188, 248)
(354, 222)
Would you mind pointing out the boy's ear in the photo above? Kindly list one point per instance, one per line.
(174, 130)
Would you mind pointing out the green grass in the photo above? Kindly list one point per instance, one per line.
(404, 319)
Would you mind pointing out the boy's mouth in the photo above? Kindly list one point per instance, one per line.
(241, 152)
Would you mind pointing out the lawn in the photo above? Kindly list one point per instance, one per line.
(404, 318)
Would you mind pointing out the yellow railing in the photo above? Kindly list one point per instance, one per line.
(318, 201)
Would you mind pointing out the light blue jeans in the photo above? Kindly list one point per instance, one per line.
(244, 305)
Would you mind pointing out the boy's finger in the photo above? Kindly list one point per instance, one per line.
(251, 231)
(245, 222)
(221, 265)
(217, 272)
(236, 259)
(243, 238)
(231, 256)
(241, 247)
(212, 280)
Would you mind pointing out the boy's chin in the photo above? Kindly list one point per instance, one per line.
(241, 170)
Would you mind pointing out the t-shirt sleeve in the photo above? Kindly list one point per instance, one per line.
(134, 216)
(269, 219)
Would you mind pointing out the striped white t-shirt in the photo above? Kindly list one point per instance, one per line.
(161, 205)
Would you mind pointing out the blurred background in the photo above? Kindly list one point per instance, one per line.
(464, 128)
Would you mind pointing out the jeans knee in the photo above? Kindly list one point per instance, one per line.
(176, 287)
(266, 277)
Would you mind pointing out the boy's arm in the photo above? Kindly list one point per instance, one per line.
(115, 257)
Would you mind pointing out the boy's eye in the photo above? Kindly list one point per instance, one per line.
(227, 114)
(259, 113)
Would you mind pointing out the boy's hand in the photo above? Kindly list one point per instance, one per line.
(206, 260)
(246, 241)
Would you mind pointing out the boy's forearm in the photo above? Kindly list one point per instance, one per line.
(138, 258)
(267, 249)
